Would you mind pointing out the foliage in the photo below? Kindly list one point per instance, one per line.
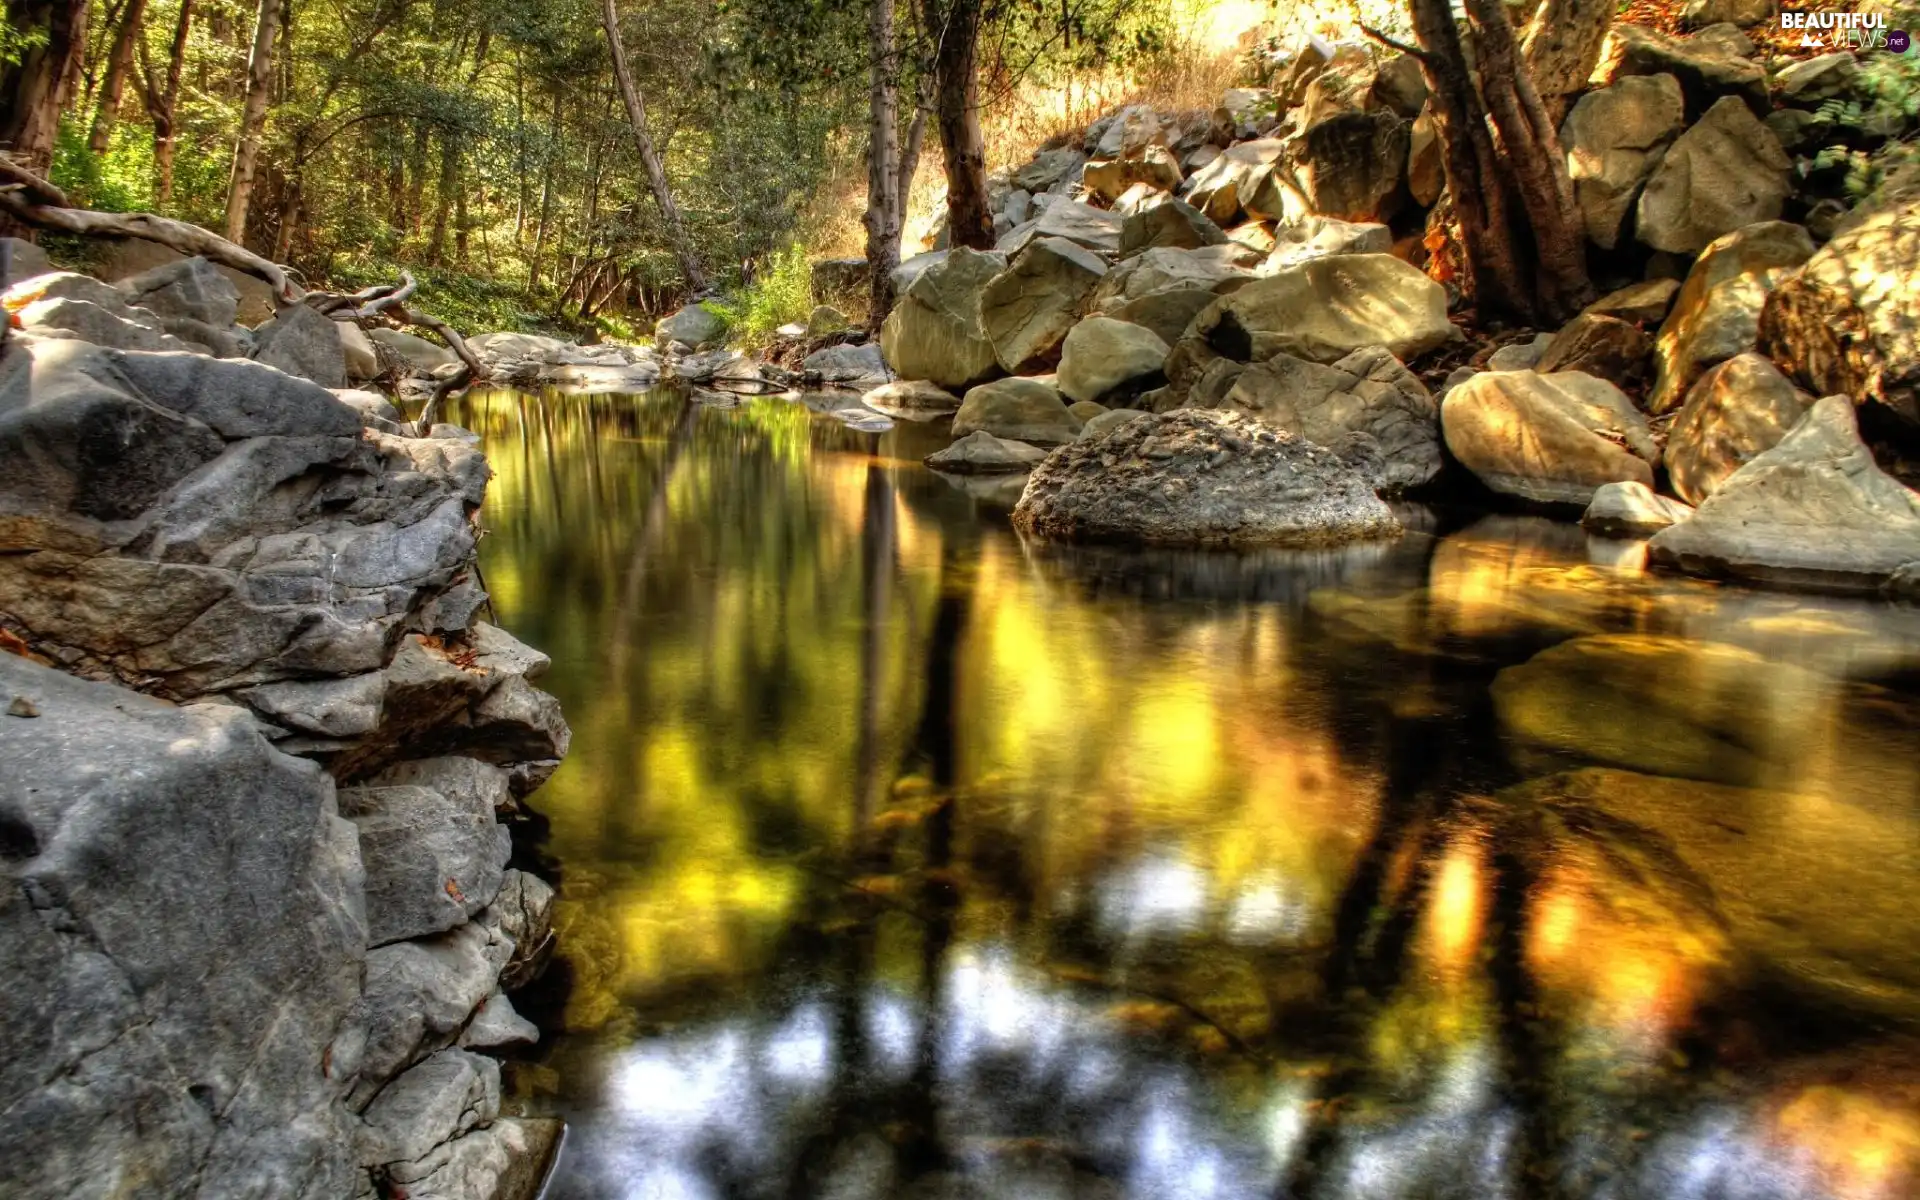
(782, 293)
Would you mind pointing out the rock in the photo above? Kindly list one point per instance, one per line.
(523, 913)
(191, 289)
(433, 856)
(301, 342)
(1167, 312)
(1520, 356)
(122, 259)
(1133, 129)
(1027, 309)
(420, 994)
(826, 319)
(1097, 230)
(1211, 268)
(839, 281)
(1725, 37)
(85, 321)
(1220, 187)
(497, 1025)
(357, 354)
(334, 708)
(1814, 512)
(1103, 357)
(1097, 426)
(1850, 321)
(1200, 478)
(1604, 347)
(1614, 138)
(1716, 314)
(1812, 81)
(174, 987)
(1631, 510)
(1110, 178)
(1019, 206)
(1798, 130)
(24, 260)
(1698, 14)
(912, 268)
(1367, 397)
(1426, 162)
(981, 453)
(1547, 438)
(859, 365)
(429, 1105)
(1326, 308)
(1244, 113)
(1399, 86)
(913, 400)
(1173, 223)
(1049, 168)
(1736, 411)
(417, 352)
(1022, 410)
(935, 331)
(1705, 70)
(1351, 166)
(1725, 173)
(1642, 303)
(698, 325)
(1320, 237)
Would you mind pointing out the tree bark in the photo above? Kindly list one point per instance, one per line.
(546, 200)
(35, 89)
(643, 142)
(165, 107)
(253, 118)
(443, 197)
(956, 29)
(119, 65)
(1562, 46)
(884, 198)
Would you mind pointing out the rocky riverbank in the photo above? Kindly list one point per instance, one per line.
(260, 758)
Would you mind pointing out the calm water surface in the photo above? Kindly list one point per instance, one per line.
(899, 858)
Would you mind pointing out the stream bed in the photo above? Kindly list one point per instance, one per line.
(897, 857)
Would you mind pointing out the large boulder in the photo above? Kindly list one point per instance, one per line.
(65, 304)
(417, 352)
(981, 453)
(1547, 438)
(695, 325)
(1200, 478)
(1021, 410)
(1220, 188)
(1614, 138)
(357, 354)
(1094, 228)
(1111, 178)
(1814, 511)
(1048, 170)
(23, 260)
(1716, 314)
(1173, 223)
(1351, 166)
(1812, 81)
(194, 301)
(1726, 172)
(434, 855)
(1166, 311)
(1706, 70)
(846, 364)
(912, 400)
(299, 341)
(1213, 268)
(1736, 411)
(1243, 113)
(1367, 408)
(1026, 309)
(935, 331)
(182, 941)
(1320, 237)
(1326, 308)
(1102, 359)
(1850, 321)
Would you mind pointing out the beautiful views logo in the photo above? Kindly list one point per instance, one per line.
(1845, 31)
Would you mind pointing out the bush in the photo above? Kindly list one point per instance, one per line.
(781, 294)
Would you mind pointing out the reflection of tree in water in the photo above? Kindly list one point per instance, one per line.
(945, 1009)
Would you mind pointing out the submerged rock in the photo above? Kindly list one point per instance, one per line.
(1200, 478)
(981, 453)
(1023, 410)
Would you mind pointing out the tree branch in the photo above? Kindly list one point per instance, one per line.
(1414, 52)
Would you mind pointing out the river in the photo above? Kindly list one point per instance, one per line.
(899, 858)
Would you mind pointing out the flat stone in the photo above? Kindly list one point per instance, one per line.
(1631, 510)
(981, 453)
(1547, 438)
(1023, 410)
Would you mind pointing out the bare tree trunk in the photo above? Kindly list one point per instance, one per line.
(166, 106)
(253, 118)
(643, 142)
(1562, 46)
(119, 65)
(443, 197)
(34, 90)
(884, 199)
(910, 152)
(956, 31)
(546, 200)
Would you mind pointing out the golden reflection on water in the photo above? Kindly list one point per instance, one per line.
(899, 856)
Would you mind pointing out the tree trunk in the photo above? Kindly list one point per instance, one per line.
(884, 198)
(957, 108)
(443, 197)
(643, 142)
(119, 65)
(253, 118)
(35, 89)
(546, 200)
(1562, 46)
(168, 105)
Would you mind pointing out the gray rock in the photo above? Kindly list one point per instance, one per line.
(1823, 77)
(848, 364)
(1200, 478)
(1326, 308)
(420, 994)
(1736, 411)
(523, 913)
(1366, 397)
(1520, 356)
(1102, 357)
(1723, 174)
(1022, 410)
(1027, 309)
(427, 1106)
(1614, 138)
(1319, 237)
(375, 410)
(912, 400)
(1048, 169)
(1739, 13)
(1716, 314)
(1631, 510)
(85, 321)
(935, 332)
(503, 1161)
(1098, 425)
(1212, 268)
(191, 289)
(1244, 113)
(417, 352)
(1725, 36)
(697, 325)
(433, 857)
(1350, 166)
(1547, 438)
(1813, 512)
(981, 453)
(301, 342)
(357, 354)
(1173, 223)
(338, 708)
(174, 989)
(24, 261)
(1096, 229)
(497, 1025)
(1706, 71)
(1167, 311)
(1154, 167)
(1221, 188)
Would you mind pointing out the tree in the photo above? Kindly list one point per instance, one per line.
(891, 163)
(253, 118)
(36, 87)
(163, 104)
(119, 66)
(953, 27)
(683, 249)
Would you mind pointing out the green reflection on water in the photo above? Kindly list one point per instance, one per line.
(1295, 831)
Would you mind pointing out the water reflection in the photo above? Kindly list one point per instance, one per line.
(900, 858)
